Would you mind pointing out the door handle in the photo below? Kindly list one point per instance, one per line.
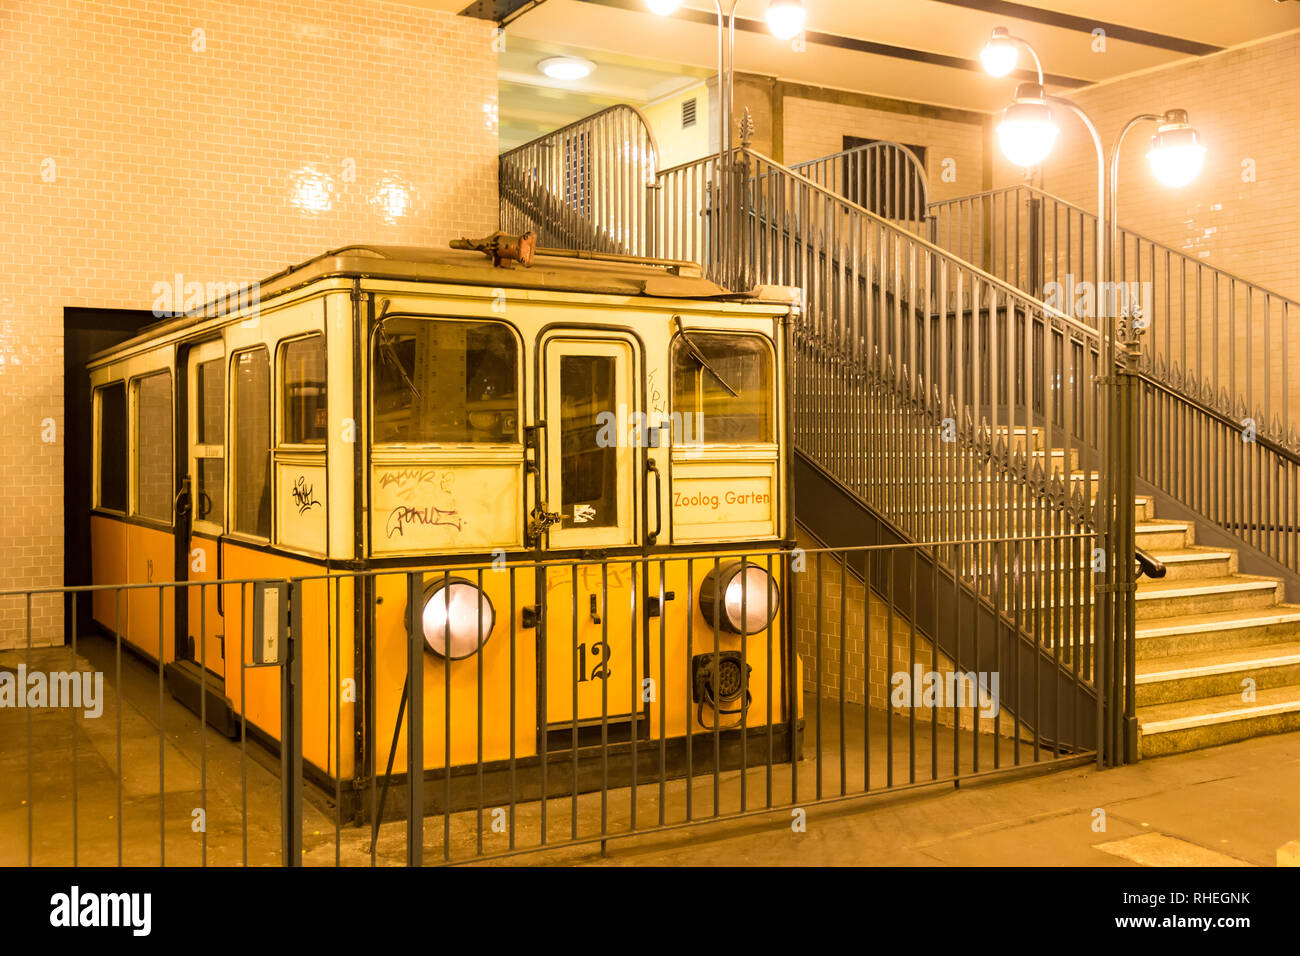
(595, 611)
(653, 469)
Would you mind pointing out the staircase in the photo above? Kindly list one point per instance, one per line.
(1217, 652)
(952, 403)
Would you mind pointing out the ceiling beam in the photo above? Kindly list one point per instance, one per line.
(854, 44)
(1066, 21)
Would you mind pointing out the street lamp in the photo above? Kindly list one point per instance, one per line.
(1028, 131)
(1176, 152)
(785, 18)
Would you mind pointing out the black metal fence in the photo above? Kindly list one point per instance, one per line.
(887, 667)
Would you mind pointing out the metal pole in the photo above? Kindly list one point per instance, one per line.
(291, 733)
(1125, 373)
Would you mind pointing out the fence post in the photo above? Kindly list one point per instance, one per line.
(1128, 381)
(291, 733)
(415, 722)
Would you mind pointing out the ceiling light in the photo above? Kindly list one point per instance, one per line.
(999, 54)
(1027, 131)
(566, 67)
(663, 7)
(1176, 153)
(785, 18)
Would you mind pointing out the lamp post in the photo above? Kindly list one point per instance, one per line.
(1176, 157)
(1027, 134)
(785, 18)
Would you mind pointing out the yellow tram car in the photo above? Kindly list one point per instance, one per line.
(543, 440)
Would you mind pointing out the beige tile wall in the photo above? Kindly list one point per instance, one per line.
(133, 148)
(814, 128)
(1246, 104)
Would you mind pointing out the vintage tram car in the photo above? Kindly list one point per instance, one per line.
(586, 458)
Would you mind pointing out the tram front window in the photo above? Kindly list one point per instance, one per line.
(588, 465)
(445, 381)
(723, 382)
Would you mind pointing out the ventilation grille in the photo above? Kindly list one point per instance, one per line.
(688, 113)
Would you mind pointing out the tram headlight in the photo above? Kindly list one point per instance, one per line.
(453, 609)
(745, 598)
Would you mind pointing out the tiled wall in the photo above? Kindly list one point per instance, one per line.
(221, 141)
(1245, 104)
(815, 128)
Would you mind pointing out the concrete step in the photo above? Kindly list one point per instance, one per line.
(1216, 631)
(1192, 724)
(1195, 562)
(1158, 535)
(1158, 599)
(1217, 673)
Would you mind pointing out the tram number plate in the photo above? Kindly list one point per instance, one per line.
(593, 664)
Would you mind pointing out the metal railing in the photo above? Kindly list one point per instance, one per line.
(948, 401)
(583, 186)
(884, 177)
(1212, 335)
(910, 679)
(1246, 483)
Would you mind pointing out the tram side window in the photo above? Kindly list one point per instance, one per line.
(154, 462)
(251, 443)
(707, 369)
(306, 419)
(112, 447)
(445, 381)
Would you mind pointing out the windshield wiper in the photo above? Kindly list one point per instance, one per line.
(699, 357)
(389, 353)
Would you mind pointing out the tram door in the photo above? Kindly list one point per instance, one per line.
(589, 397)
(206, 474)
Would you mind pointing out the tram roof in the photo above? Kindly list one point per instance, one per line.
(552, 270)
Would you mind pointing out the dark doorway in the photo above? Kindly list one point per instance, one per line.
(85, 332)
(884, 181)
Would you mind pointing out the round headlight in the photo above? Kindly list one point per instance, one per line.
(744, 598)
(457, 618)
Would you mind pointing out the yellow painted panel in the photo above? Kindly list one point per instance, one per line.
(420, 508)
(686, 633)
(151, 556)
(107, 566)
(327, 655)
(717, 501)
(205, 622)
(300, 511)
(600, 659)
(463, 677)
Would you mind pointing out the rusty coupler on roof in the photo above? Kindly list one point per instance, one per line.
(502, 247)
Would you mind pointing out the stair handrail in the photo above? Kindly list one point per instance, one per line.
(1175, 350)
(596, 168)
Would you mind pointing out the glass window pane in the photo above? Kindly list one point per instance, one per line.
(211, 387)
(251, 388)
(703, 409)
(209, 504)
(154, 462)
(445, 381)
(588, 469)
(305, 416)
(112, 447)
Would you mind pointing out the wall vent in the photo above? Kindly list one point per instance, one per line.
(688, 112)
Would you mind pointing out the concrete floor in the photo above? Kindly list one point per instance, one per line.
(1230, 805)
